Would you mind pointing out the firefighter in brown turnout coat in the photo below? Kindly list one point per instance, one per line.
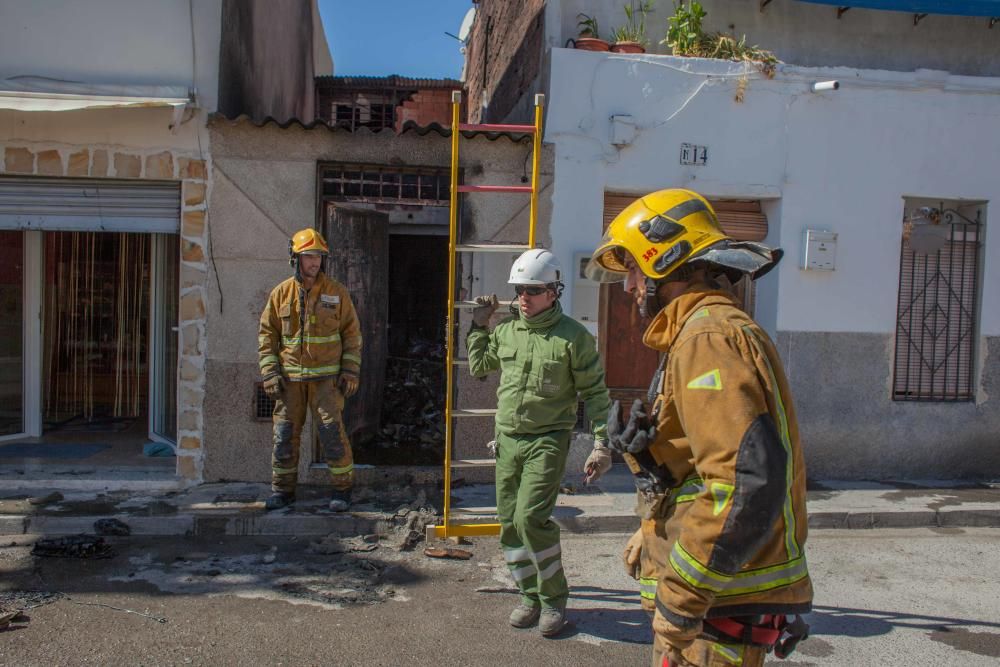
(715, 448)
(310, 359)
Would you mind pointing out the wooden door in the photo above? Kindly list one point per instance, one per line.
(359, 258)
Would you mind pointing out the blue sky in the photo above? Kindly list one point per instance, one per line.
(382, 37)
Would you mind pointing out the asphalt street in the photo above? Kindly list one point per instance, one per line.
(883, 597)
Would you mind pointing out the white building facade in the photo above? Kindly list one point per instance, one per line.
(891, 345)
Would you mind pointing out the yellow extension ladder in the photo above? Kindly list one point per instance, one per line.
(447, 528)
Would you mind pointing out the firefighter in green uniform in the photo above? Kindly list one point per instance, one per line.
(546, 360)
(310, 359)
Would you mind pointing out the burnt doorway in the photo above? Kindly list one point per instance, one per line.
(412, 431)
(415, 200)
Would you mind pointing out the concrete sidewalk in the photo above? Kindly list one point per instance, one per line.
(605, 507)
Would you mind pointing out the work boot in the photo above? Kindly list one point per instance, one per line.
(340, 500)
(552, 621)
(279, 500)
(524, 616)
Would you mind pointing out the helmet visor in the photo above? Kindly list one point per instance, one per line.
(607, 265)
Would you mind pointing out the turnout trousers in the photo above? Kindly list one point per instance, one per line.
(528, 473)
(708, 653)
(323, 398)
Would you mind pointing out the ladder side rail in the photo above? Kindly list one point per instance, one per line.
(535, 165)
(456, 100)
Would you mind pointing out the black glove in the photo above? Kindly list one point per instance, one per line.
(634, 437)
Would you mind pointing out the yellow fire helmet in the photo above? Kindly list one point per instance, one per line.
(308, 242)
(666, 229)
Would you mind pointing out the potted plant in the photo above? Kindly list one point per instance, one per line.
(589, 38)
(631, 37)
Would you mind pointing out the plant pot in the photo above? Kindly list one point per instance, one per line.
(590, 44)
(628, 47)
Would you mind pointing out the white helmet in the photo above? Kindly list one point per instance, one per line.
(535, 267)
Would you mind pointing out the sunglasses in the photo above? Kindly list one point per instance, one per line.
(530, 290)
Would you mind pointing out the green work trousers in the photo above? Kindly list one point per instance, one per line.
(529, 472)
(324, 399)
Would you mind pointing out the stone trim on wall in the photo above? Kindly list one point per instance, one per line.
(164, 165)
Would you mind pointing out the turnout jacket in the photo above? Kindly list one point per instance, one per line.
(544, 362)
(305, 335)
(732, 531)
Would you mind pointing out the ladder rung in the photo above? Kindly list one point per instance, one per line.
(463, 530)
(473, 463)
(525, 189)
(492, 247)
(473, 304)
(460, 362)
(493, 127)
(474, 412)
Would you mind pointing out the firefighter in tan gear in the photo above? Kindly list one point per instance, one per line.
(715, 448)
(310, 360)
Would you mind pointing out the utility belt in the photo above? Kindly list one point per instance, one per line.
(771, 631)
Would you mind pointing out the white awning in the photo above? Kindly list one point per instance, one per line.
(32, 93)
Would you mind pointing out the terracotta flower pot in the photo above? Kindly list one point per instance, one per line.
(590, 44)
(628, 47)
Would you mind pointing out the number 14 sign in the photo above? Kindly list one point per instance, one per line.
(694, 154)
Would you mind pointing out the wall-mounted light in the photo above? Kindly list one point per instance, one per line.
(821, 86)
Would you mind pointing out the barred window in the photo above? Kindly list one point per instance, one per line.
(937, 316)
(381, 184)
(263, 404)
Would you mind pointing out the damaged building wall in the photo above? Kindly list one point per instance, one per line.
(265, 189)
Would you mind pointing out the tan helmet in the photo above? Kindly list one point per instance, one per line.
(308, 242)
(667, 229)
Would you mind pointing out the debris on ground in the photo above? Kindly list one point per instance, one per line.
(11, 617)
(497, 589)
(447, 552)
(413, 406)
(74, 546)
(112, 527)
(53, 497)
(270, 556)
(13, 604)
(335, 543)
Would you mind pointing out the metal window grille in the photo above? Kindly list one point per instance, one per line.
(263, 404)
(936, 317)
(380, 184)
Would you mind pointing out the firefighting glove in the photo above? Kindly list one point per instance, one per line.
(598, 463)
(633, 554)
(274, 386)
(634, 437)
(348, 384)
(676, 637)
(482, 313)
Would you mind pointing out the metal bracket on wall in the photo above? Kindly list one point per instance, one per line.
(917, 18)
(842, 10)
(763, 4)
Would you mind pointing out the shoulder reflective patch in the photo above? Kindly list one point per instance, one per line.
(701, 313)
(710, 380)
(722, 493)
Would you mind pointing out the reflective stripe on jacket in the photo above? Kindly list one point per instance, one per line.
(541, 372)
(309, 335)
(734, 525)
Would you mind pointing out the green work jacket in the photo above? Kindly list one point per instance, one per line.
(547, 363)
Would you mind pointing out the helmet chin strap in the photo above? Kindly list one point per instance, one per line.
(650, 304)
